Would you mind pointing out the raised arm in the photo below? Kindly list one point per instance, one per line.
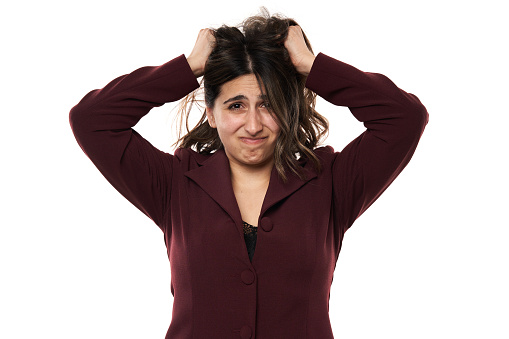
(102, 124)
(394, 121)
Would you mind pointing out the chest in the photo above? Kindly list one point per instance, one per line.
(210, 229)
(250, 201)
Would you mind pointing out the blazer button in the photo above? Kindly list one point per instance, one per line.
(266, 224)
(247, 277)
(245, 332)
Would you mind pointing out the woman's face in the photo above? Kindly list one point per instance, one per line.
(244, 122)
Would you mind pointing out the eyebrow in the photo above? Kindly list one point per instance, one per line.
(243, 97)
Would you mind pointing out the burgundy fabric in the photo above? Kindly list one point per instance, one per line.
(218, 292)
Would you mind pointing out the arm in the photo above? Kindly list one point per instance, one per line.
(394, 121)
(102, 124)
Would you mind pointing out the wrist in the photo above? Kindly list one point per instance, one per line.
(195, 67)
(306, 64)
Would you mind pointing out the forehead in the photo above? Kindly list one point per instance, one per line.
(246, 85)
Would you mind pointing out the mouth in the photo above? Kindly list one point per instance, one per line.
(253, 141)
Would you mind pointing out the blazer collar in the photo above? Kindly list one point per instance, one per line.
(279, 190)
(213, 176)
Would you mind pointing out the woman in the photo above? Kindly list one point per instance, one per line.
(251, 167)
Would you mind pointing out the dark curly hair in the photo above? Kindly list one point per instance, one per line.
(257, 47)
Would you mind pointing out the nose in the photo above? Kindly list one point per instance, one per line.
(253, 124)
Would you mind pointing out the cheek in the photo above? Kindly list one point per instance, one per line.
(228, 124)
(272, 124)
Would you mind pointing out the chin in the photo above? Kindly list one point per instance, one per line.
(254, 158)
(257, 161)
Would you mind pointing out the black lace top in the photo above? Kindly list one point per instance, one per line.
(250, 232)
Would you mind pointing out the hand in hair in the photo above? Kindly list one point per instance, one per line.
(201, 51)
(301, 56)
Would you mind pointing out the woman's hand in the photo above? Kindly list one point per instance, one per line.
(301, 56)
(201, 51)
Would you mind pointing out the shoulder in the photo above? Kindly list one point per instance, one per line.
(183, 154)
(325, 156)
(325, 153)
(324, 150)
(189, 158)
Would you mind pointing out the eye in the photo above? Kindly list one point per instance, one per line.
(235, 106)
(266, 105)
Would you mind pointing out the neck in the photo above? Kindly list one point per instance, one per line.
(251, 175)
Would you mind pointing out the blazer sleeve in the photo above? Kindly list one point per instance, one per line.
(394, 121)
(102, 124)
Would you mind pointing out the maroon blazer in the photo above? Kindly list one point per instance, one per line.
(218, 292)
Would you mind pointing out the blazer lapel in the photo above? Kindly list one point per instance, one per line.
(213, 176)
(278, 190)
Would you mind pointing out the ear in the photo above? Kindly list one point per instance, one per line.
(210, 117)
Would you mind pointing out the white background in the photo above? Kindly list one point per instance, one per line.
(428, 260)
